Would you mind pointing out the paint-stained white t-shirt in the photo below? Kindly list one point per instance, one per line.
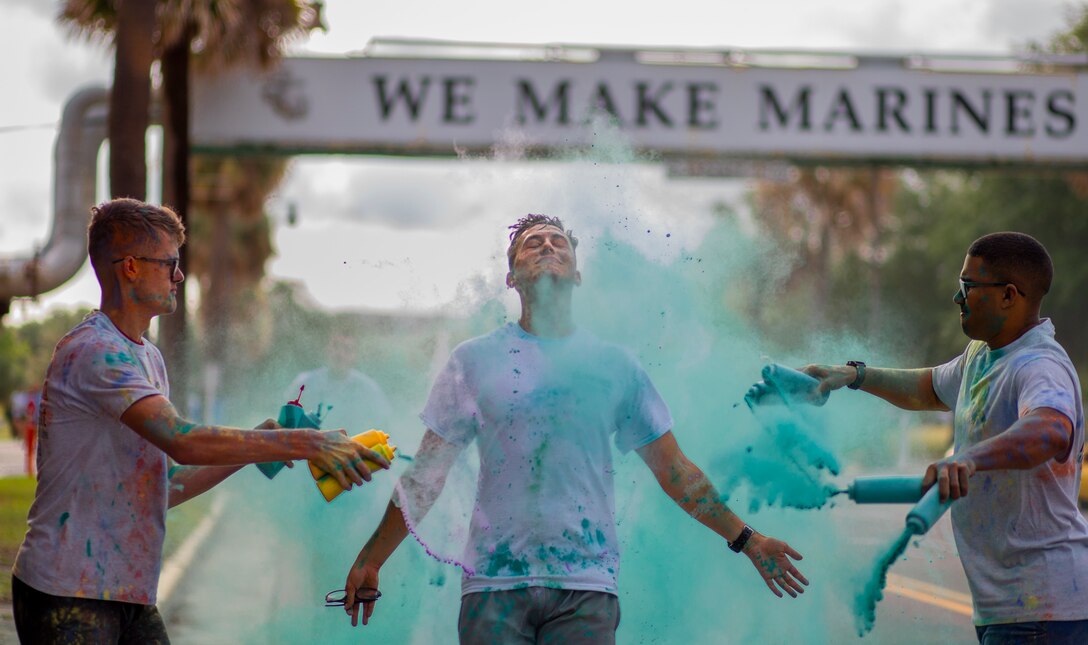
(543, 414)
(1021, 537)
(98, 519)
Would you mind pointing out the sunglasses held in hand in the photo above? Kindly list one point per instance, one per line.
(338, 597)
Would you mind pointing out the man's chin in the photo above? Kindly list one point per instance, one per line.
(967, 330)
(554, 279)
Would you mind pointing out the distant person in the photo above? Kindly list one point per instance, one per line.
(543, 401)
(347, 397)
(24, 418)
(356, 399)
(1019, 442)
(88, 568)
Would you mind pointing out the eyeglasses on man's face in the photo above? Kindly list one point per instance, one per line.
(967, 285)
(173, 263)
(338, 597)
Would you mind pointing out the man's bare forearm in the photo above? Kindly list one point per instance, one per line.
(186, 482)
(1032, 440)
(908, 389)
(689, 487)
(221, 446)
(386, 538)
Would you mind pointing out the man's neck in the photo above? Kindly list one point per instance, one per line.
(553, 320)
(132, 325)
(1007, 338)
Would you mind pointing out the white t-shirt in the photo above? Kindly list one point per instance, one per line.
(1020, 534)
(542, 413)
(99, 514)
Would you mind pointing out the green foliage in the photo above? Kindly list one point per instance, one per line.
(25, 350)
(14, 354)
(1075, 39)
(945, 211)
(906, 295)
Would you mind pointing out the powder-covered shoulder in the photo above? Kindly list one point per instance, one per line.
(1047, 356)
(89, 340)
(484, 343)
(1046, 378)
(609, 353)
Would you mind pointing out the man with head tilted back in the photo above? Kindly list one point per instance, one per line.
(544, 401)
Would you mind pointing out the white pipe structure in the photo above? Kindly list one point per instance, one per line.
(82, 132)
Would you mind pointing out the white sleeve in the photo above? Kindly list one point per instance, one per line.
(947, 379)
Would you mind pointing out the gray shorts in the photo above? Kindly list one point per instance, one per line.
(538, 616)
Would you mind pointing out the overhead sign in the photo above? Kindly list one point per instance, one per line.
(883, 111)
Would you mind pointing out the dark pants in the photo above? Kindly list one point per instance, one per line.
(538, 616)
(1052, 632)
(44, 619)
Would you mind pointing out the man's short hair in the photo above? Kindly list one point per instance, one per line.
(126, 215)
(518, 228)
(1018, 258)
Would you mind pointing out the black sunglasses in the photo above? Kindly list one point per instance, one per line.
(338, 597)
(173, 263)
(967, 285)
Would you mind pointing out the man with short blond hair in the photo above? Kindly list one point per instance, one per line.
(88, 568)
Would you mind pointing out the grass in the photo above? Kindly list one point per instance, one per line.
(16, 494)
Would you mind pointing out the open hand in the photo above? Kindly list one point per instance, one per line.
(771, 558)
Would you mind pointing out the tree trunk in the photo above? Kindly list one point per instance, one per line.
(876, 208)
(130, 98)
(174, 338)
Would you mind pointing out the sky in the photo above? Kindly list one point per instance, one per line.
(399, 214)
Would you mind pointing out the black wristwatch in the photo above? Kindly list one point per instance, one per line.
(737, 545)
(860, 367)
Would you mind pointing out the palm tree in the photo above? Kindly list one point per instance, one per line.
(217, 35)
(131, 31)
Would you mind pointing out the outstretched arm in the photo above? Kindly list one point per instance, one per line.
(689, 487)
(907, 389)
(186, 482)
(1035, 438)
(155, 419)
(422, 483)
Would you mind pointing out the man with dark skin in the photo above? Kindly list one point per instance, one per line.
(542, 399)
(1019, 428)
(88, 568)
